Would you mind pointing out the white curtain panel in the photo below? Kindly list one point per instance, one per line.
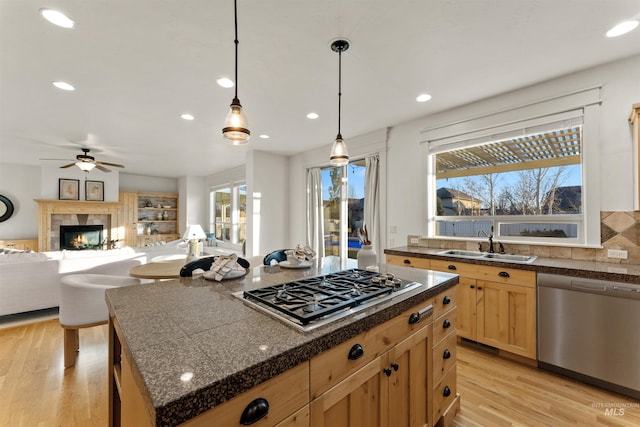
(372, 201)
(315, 214)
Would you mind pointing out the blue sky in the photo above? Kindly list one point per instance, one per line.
(356, 182)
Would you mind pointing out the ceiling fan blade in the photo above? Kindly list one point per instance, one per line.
(67, 166)
(68, 160)
(102, 168)
(110, 164)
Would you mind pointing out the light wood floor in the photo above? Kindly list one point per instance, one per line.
(35, 390)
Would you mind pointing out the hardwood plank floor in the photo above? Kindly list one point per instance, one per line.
(35, 389)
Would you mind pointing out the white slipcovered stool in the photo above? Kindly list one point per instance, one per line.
(82, 305)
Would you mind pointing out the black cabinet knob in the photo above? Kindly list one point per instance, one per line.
(446, 300)
(447, 391)
(472, 287)
(254, 411)
(395, 366)
(356, 352)
(446, 324)
(407, 261)
(451, 267)
(446, 354)
(503, 274)
(387, 371)
(414, 318)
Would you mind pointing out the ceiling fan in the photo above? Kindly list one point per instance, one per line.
(86, 162)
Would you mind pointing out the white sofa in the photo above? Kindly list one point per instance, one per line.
(31, 280)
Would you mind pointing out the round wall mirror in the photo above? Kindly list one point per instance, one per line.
(6, 208)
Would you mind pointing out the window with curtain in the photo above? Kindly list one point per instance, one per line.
(228, 207)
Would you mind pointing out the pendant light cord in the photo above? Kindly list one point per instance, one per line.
(339, 88)
(235, 17)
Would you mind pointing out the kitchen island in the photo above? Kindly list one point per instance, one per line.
(181, 349)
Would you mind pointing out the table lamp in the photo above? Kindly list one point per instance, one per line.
(193, 236)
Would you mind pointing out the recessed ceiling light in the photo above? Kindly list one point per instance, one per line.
(264, 136)
(225, 82)
(423, 97)
(57, 18)
(623, 28)
(312, 116)
(63, 86)
(187, 116)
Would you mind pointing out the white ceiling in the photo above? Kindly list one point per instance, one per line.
(138, 64)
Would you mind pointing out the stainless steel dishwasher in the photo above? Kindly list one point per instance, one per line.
(590, 330)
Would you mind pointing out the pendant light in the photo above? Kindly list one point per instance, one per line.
(236, 126)
(339, 153)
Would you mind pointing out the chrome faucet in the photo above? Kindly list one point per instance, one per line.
(490, 236)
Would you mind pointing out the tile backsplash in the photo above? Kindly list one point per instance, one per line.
(619, 230)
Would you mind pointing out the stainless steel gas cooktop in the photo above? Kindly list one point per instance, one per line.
(315, 301)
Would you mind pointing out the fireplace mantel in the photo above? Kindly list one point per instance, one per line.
(47, 208)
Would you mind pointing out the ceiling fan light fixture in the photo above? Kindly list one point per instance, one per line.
(85, 166)
(339, 154)
(236, 126)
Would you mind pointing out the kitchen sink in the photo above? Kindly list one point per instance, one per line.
(489, 256)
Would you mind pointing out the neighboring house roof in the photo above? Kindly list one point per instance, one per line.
(450, 193)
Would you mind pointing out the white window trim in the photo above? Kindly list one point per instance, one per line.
(235, 213)
(524, 118)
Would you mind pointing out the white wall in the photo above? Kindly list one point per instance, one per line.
(267, 201)
(193, 202)
(21, 185)
(50, 175)
(132, 182)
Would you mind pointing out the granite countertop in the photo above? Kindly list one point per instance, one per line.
(626, 273)
(196, 326)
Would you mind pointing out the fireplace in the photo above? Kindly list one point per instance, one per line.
(79, 237)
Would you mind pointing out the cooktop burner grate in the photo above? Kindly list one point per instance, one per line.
(313, 298)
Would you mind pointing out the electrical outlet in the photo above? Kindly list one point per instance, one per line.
(616, 253)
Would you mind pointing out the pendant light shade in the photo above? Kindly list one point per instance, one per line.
(236, 126)
(339, 153)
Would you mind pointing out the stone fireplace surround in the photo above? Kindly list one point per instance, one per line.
(54, 213)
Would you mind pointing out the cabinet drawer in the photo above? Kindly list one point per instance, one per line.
(444, 301)
(405, 261)
(444, 357)
(330, 367)
(444, 325)
(285, 394)
(444, 393)
(484, 272)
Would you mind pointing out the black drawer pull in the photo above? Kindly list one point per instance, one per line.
(420, 315)
(395, 366)
(407, 261)
(447, 391)
(446, 324)
(446, 300)
(356, 352)
(503, 274)
(446, 354)
(254, 411)
(451, 267)
(387, 371)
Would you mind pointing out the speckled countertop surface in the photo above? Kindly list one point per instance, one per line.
(197, 326)
(626, 273)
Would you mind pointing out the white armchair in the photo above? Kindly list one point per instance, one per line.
(82, 305)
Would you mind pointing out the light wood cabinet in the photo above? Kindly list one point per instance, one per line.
(393, 389)
(21, 244)
(496, 306)
(404, 261)
(149, 217)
